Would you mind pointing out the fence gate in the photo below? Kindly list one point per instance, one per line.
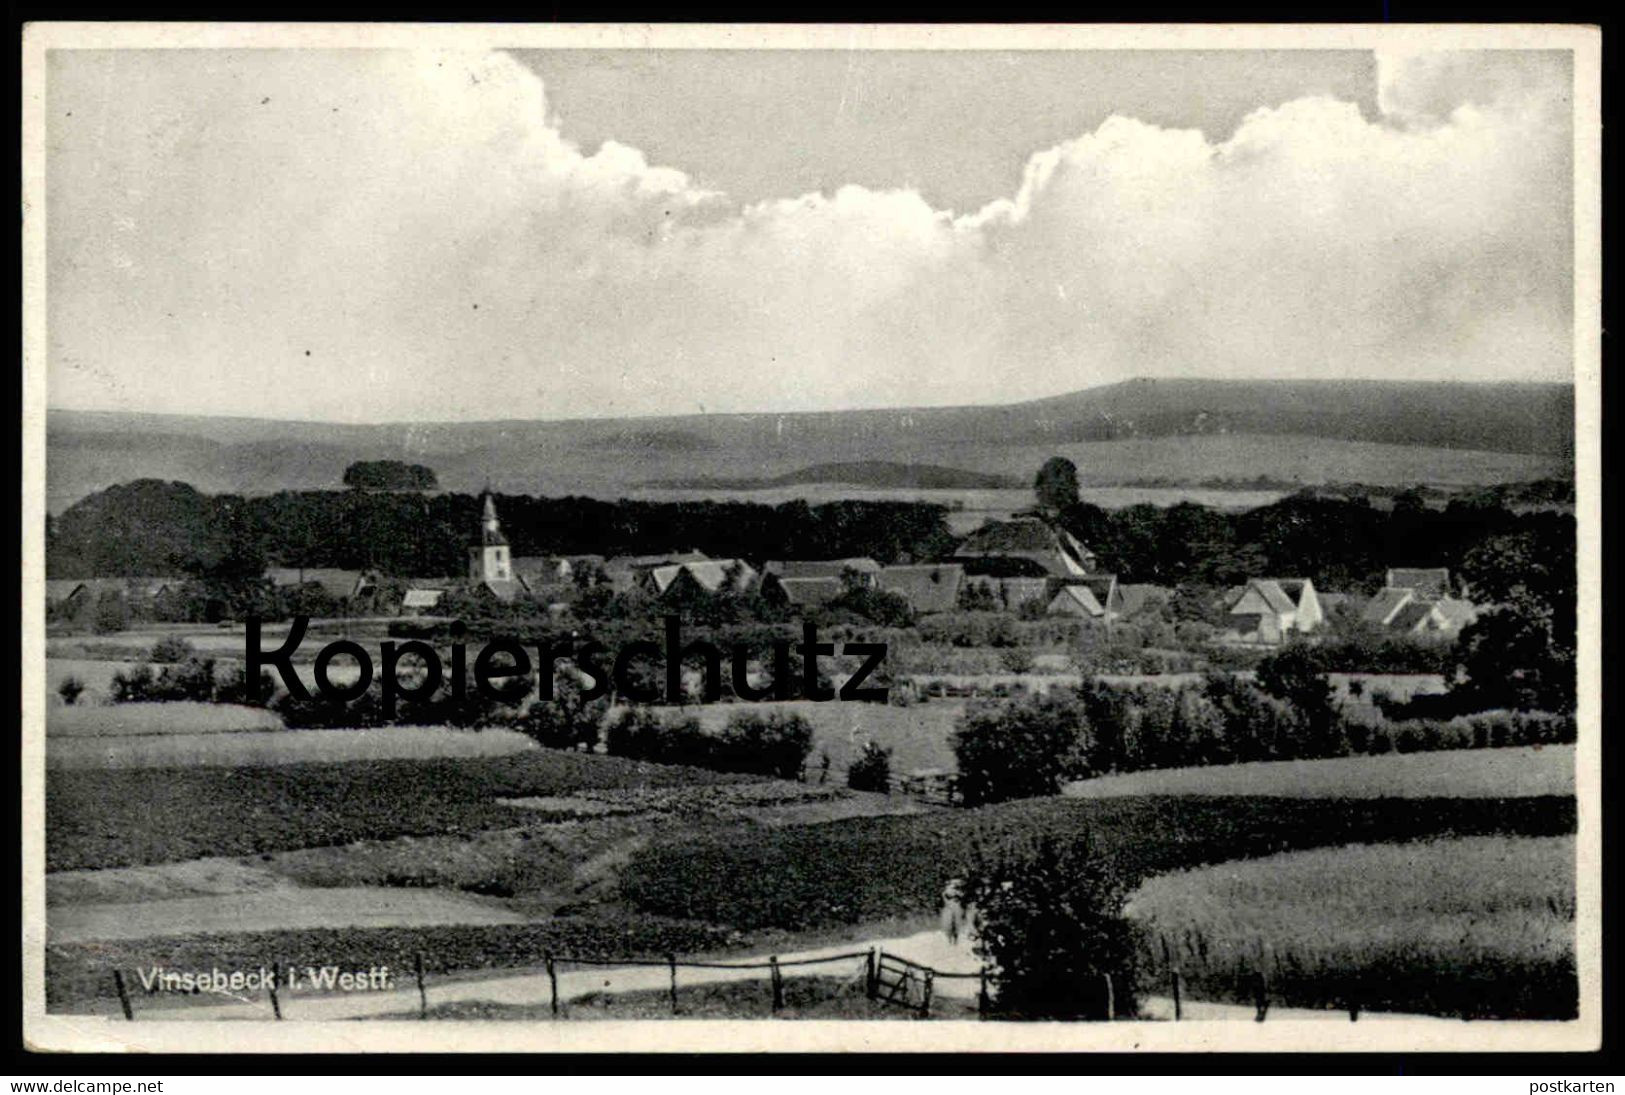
(901, 982)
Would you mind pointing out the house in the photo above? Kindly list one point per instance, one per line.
(67, 594)
(801, 592)
(419, 601)
(1096, 597)
(704, 576)
(1024, 547)
(861, 570)
(543, 569)
(1422, 610)
(337, 583)
(927, 587)
(1011, 593)
(624, 573)
(1268, 609)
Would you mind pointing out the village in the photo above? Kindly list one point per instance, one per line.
(1025, 567)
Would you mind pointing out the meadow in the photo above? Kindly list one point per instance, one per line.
(1463, 773)
(260, 741)
(849, 872)
(181, 719)
(131, 816)
(1476, 927)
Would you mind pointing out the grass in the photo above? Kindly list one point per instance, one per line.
(850, 872)
(132, 816)
(1480, 927)
(917, 735)
(1462, 773)
(81, 972)
(154, 719)
(804, 998)
(279, 746)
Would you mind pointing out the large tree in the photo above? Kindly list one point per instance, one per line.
(1056, 485)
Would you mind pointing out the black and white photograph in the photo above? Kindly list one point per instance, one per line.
(626, 538)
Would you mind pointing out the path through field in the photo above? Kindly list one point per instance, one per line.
(931, 948)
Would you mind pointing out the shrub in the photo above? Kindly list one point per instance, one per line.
(1049, 919)
(1020, 749)
(771, 745)
(170, 649)
(70, 690)
(871, 771)
(1016, 660)
(643, 733)
(569, 720)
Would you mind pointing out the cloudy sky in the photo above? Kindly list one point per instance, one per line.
(391, 235)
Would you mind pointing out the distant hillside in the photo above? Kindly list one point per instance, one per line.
(1483, 433)
(860, 473)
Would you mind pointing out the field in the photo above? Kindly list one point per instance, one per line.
(850, 872)
(1464, 773)
(182, 719)
(130, 816)
(1472, 927)
(256, 742)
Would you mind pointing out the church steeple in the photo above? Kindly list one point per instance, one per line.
(488, 558)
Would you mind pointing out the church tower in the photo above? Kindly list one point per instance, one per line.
(488, 556)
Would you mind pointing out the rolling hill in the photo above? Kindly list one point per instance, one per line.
(1305, 431)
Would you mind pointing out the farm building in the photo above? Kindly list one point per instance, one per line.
(1024, 547)
(801, 592)
(706, 576)
(140, 595)
(543, 569)
(927, 587)
(861, 570)
(1096, 598)
(337, 583)
(1011, 593)
(418, 601)
(1421, 609)
(1266, 610)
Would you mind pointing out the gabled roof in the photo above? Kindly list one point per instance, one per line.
(1103, 587)
(1080, 596)
(542, 565)
(1432, 581)
(1411, 615)
(1029, 537)
(60, 589)
(808, 592)
(927, 587)
(1278, 594)
(422, 598)
(638, 562)
(714, 575)
(505, 589)
(819, 568)
(334, 581)
(1381, 608)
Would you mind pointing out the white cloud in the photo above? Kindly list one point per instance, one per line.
(419, 227)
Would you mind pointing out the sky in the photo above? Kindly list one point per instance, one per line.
(376, 236)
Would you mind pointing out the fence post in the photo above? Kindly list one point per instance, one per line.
(1354, 1011)
(552, 983)
(869, 974)
(671, 960)
(778, 982)
(981, 994)
(1261, 994)
(123, 995)
(1111, 1000)
(423, 994)
(276, 975)
(925, 1007)
(1178, 1009)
